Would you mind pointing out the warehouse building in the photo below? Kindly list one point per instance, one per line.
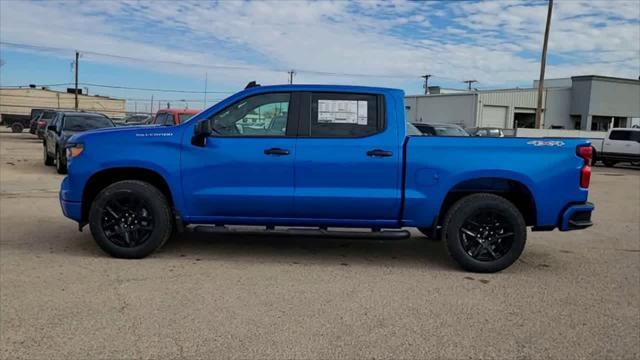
(18, 102)
(580, 102)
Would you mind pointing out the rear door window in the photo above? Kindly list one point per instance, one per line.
(343, 115)
(622, 135)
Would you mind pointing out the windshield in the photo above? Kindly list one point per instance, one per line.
(449, 131)
(82, 123)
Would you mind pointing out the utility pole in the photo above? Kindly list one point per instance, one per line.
(291, 74)
(206, 76)
(151, 109)
(469, 82)
(543, 63)
(426, 83)
(76, 88)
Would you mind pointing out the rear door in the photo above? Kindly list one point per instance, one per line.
(245, 170)
(51, 136)
(620, 142)
(347, 159)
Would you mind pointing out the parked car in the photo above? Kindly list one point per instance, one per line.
(441, 129)
(43, 121)
(63, 126)
(135, 119)
(491, 132)
(35, 116)
(173, 116)
(342, 159)
(620, 145)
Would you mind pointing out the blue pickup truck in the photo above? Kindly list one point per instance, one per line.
(306, 158)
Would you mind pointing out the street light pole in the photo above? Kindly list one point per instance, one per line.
(543, 63)
(76, 87)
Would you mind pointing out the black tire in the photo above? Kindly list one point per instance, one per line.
(151, 212)
(493, 249)
(17, 127)
(609, 163)
(594, 155)
(61, 163)
(48, 160)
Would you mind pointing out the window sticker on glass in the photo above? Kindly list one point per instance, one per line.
(342, 112)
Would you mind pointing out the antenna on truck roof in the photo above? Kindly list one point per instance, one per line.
(251, 85)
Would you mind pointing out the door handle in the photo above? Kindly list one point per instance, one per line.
(276, 151)
(379, 153)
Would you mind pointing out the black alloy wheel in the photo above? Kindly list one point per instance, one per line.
(487, 235)
(484, 232)
(130, 219)
(126, 220)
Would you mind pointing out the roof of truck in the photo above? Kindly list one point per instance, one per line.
(315, 87)
(180, 111)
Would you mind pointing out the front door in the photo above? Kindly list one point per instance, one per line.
(245, 169)
(348, 160)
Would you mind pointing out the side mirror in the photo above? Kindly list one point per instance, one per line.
(52, 128)
(201, 132)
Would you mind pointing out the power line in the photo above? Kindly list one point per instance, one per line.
(213, 66)
(157, 90)
(122, 87)
(102, 96)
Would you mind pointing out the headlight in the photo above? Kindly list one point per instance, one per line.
(74, 150)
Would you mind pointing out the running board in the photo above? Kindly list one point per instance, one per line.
(353, 235)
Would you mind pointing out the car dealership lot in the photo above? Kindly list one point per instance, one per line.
(571, 295)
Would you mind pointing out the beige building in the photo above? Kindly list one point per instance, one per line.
(18, 102)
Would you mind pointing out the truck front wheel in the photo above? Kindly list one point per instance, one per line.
(484, 233)
(130, 219)
(48, 160)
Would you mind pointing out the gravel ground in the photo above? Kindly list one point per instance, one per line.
(572, 295)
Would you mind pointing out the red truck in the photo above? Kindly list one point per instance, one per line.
(173, 116)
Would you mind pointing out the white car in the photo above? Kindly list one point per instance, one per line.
(620, 145)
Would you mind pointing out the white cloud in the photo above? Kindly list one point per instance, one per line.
(496, 42)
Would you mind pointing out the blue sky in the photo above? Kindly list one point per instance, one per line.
(172, 45)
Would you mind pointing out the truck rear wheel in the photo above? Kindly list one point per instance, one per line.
(484, 233)
(17, 127)
(130, 219)
(609, 163)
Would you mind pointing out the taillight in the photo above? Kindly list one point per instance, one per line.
(586, 153)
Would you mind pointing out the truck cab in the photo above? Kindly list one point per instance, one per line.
(168, 117)
(321, 157)
(620, 145)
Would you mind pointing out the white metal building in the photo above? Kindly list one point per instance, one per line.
(581, 102)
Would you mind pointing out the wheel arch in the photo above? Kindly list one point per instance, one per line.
(106, 177)
(513, 190)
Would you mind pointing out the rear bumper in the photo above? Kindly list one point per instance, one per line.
(577, 217)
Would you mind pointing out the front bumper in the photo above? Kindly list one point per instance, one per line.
(70, 209)
(577, 217)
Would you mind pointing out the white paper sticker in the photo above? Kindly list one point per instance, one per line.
(342, 112)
